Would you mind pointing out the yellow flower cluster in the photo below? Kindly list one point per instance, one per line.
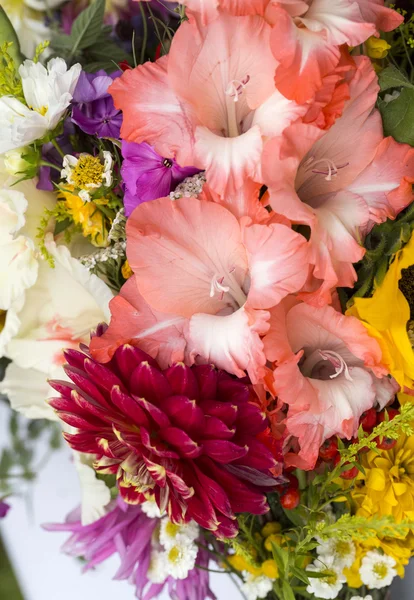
(87, 215)
(376, 47)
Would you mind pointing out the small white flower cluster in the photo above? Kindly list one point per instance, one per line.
(190, 187)
(377, 570)
(115, 251)
(117, 231)
(174, 550)
(369, 597)
(256, 586)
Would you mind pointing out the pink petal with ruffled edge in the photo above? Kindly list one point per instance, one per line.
(385, 18)
(243, 203)
(188, 256)
(231, 342)
(152, 112)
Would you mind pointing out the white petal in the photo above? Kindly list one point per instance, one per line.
(95, 494)
(27, 391)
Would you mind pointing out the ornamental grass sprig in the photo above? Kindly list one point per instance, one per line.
(10, 80)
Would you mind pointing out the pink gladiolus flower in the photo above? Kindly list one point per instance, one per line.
(307, 35)
(339, 183)
(211, 103)
(327, 370)
(185, 437)
(203, 283)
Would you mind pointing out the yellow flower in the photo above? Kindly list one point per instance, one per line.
(271, 527)
(376, 47)
(126, 270)
(87, 215)
(269, 568)
(387, 486)
(386, 315)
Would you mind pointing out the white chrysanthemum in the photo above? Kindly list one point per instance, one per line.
(48, 93)
(377, 570)
(150, 508)
(86, 172)
(342, 552)
(157, 572)
(255, 587)
(18, 262)
(361, 598)
(325, 587)
(172, 534)
(181, 560)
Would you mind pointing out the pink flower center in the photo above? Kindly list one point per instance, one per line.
(324, 365)
(327, 167)
(228, 284)
(233, 92)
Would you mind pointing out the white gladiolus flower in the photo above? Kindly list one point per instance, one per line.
(327, 587)
(172, 534)
(48, 92)
(181, 559)
(255, 587)
(377, 570)
(342, 553)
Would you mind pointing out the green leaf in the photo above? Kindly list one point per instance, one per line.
(61, 226)
(300, 574)
(8, 34)
(391, 77)
(87, 26)
(294, 517)
(398, 117)
(287, 591)
(281, 557)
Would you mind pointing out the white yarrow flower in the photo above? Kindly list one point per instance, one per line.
(172, 534)
(256, 586)
(377, 570)
(181, 560)
(150, 508)
(342, 552)
(48, 93)
(327, 587)
(87, 173)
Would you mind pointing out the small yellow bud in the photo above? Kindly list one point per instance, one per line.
(272, 527)
(376, 47)
(269, 568)
(126, 270)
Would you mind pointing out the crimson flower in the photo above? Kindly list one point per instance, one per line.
(185, 436)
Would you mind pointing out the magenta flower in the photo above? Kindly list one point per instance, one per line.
(4, 509)
(148, 176)
(187, 437)
(127, 531)
(93, 108)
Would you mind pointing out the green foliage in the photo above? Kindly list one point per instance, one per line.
(39, 50)
(10, 81)
(398, 116)
(353, 527)
(391, 78)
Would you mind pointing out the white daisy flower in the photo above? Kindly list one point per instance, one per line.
(48, 93)
(256, 586)
(87, 173)
(181, 560)
(327, 587)
(369, 597)
(172, 534)
(150, 508)
(158, 571)
(377, 570)
(343, 553)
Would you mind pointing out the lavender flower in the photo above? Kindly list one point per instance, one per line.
(93, 108)
(126, 530)
(147, 175)
(4, 509)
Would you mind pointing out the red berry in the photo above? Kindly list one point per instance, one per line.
(290, 499)
(386, 444)
(368, 419)
(392, 412)
(350, 473)
(329, 449)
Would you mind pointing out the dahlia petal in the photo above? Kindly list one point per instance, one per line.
(155, 446)
(127, 357)
(201, 509)
(277, 263)
(185, 413)
(134, 321)
(223, 451)
(232, 342)
(158, 416)
(177, 248)
(227, 528)
(181, 441)
(75, 358)
(85, 424)
(103, 377)
(251, 419)
(259, 457)
(179, 485)
(224, 411)
(231, 390)
(83, 383)
(129, 406)
(148, 382)
(86, 404)
(62, 404)
(62, 387)
(158, 472)
(218, 496)
(252, 476)
(182, 380)
(152, 112)
(82, 442)
(207, 378)
(214, 428)
(304, 57)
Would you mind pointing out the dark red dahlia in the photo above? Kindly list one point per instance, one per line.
(185, 436)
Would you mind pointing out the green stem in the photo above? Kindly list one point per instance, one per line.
(45, 163)
(145, 25)
(58, 148)
(407, 53)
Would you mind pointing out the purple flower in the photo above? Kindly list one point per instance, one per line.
(93, 108)
(127, 531)
(4, 509)
(147, 175)
(48, 175)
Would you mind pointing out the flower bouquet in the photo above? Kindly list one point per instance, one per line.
(209, 207)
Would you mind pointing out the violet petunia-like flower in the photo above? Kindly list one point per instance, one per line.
(128, 532)
(147, 175)
(4, 509)
(93, 108)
